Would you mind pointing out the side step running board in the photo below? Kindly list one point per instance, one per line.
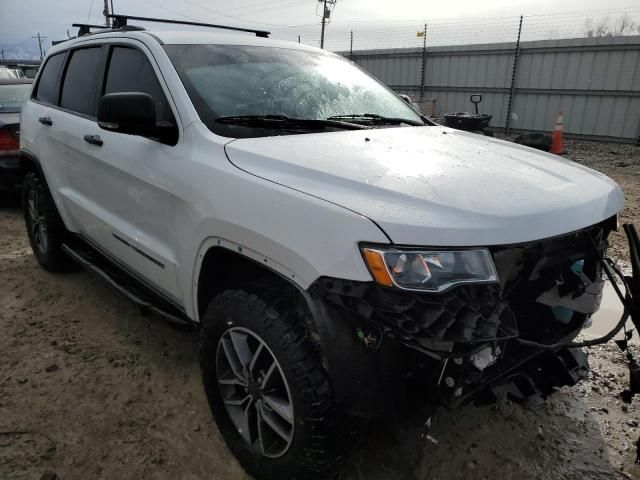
(144, 304)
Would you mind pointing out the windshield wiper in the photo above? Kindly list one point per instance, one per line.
(282, 121)
(373, 118)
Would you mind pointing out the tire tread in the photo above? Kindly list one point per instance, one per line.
(330, 441)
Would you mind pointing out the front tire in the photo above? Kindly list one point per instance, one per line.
(267, 389)
(45, 228)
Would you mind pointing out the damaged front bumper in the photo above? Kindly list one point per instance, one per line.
(473, 336)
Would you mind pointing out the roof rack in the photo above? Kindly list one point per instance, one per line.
(120, 21)
(85, 28)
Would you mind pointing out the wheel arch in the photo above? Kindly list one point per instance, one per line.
(222, 267)
(28, 162)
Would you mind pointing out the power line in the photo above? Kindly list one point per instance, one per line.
(294, 4)
(199, 19)
(172, 11)
(475, 19)
(217, 12)
(258, 6)
(90, 8)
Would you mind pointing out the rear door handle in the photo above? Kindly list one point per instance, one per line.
(45, 121)
(93, 140)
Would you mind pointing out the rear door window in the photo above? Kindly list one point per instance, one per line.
(130, 71)
(47, 91)
(81, 80)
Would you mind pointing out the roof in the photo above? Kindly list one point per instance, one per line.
(203, 36)
(213, 36)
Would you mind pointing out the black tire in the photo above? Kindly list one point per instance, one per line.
(322, 437)
(45, 228)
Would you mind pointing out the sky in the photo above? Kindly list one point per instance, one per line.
(21, 19)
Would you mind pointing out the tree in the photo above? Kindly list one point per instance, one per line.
(623, 25)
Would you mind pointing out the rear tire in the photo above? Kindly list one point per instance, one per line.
(320, 436)
(45, 228)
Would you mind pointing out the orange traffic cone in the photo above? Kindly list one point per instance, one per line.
(556, 136)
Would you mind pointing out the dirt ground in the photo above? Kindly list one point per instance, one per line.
(90, 389)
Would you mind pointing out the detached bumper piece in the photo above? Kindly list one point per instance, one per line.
(540, 377)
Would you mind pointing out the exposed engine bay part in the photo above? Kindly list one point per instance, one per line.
(630, 299)
(565, 302)
(485, 358)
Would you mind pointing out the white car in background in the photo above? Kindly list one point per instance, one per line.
(10, 73)
(342, 255)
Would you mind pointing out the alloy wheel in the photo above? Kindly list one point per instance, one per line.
(255, 392)
(37, 222)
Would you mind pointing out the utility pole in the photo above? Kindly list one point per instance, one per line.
(324, 21)
(351, 47)
(40, 38)
(325, 16)
(105, 12)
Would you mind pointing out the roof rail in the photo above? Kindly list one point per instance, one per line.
(120, 21)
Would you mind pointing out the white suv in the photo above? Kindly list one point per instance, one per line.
(342, 254)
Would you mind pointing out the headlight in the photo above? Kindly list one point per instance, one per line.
(431, 271)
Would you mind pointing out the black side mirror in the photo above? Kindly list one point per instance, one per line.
(134, 113)
(128, 112)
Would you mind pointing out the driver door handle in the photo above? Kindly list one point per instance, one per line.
(93, 140)
(45, 121)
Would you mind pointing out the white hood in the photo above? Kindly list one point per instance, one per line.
(435, 186)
